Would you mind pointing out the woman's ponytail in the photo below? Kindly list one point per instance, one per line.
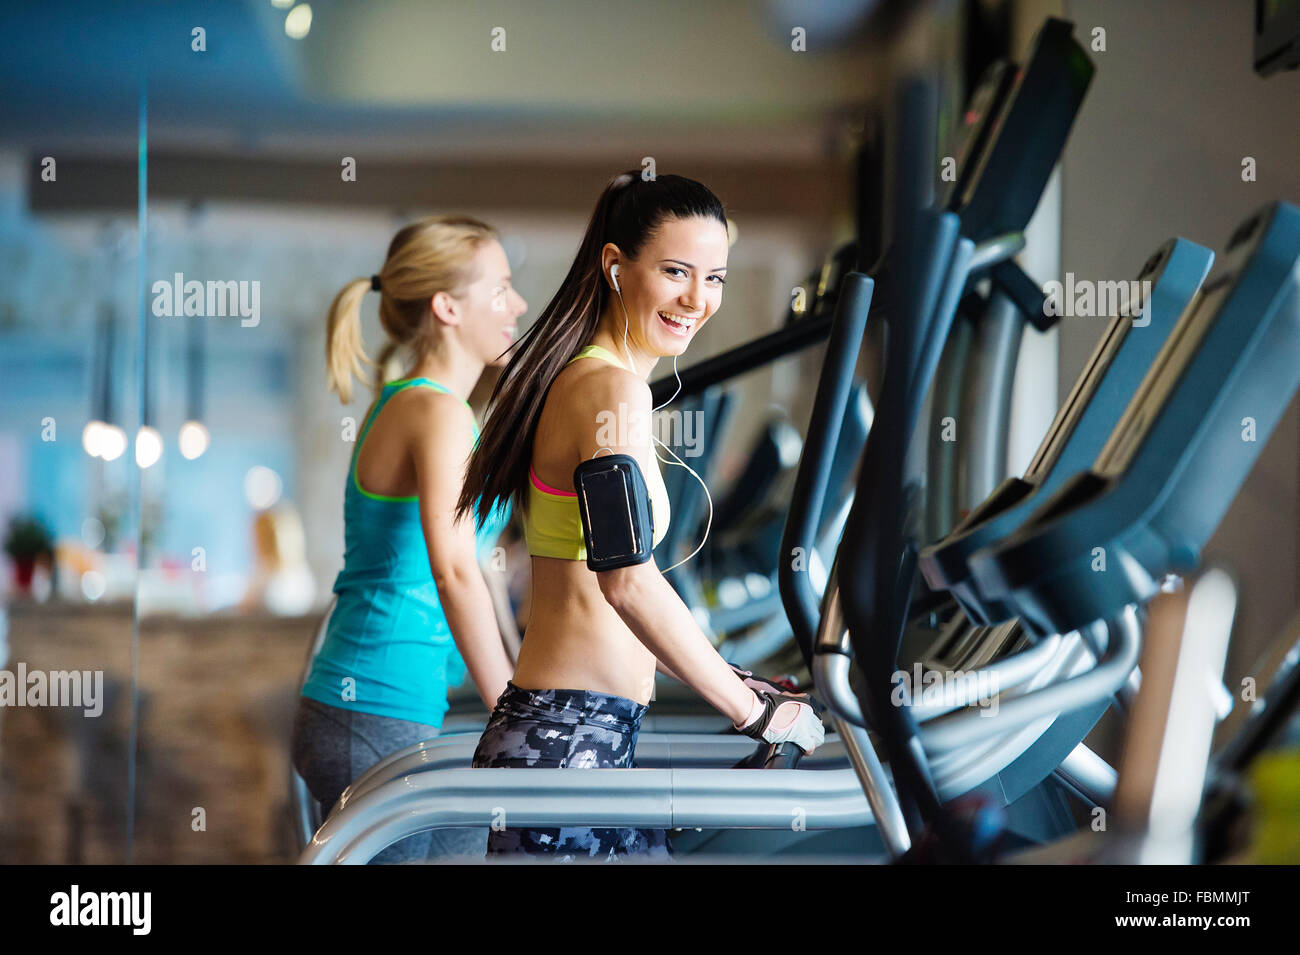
(344, 352)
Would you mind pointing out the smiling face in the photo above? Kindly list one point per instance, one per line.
(489, 306)
(673, 286)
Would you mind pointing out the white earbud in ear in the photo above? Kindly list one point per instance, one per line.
(613, 276)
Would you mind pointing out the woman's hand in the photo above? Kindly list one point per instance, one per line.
(780, 718)
(761, 684)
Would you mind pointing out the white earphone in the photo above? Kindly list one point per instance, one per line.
(613, 277)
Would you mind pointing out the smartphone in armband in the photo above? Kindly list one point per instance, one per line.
(614, 504)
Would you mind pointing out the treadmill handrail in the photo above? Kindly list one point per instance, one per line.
(832, 664)
(829, 407)
(790, 339)
(654, 798)
(828, 411)
(1010, 671)
(653, 751)
(1097, 683)
(744, 357)
(995, 251)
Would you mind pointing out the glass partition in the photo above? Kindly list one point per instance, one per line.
(70, 510)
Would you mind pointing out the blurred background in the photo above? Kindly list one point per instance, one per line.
(171, 486)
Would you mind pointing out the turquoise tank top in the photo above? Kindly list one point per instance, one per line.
(388, 649)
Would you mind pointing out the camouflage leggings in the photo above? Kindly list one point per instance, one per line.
(566, 729)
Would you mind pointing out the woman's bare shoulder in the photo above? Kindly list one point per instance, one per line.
(593, 385)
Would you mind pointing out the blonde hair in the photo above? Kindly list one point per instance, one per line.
(430, 256)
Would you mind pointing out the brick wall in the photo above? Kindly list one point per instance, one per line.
(215, 709)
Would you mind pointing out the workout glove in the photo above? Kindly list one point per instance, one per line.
(780, 686)
(783, 719)
(763, 685)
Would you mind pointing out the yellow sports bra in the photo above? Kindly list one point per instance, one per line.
(552, 527)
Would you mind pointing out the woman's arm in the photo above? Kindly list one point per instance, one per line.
(661, 667)
(640, 595)
(654, 612)
(441, 440)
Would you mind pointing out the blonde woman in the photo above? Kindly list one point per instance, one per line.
(413, 613)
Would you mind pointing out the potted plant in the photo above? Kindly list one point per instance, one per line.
(27, 542)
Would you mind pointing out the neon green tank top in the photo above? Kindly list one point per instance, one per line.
(552, 525)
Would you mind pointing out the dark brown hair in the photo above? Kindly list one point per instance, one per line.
(628, 213)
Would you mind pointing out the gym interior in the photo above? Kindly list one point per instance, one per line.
(950, 443)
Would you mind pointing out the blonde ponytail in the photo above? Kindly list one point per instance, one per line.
(427, 257)
(344, 352)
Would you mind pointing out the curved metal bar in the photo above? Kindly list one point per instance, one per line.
(831, 660)
(831, 677)
(966, 379)
(654, 798)
(753, 648)
(878, 787)
(986, 400)
(1010, 671)
(653, 751)
(450, 749)
(832, 665)
(994, 251)
(1099, 682)
(943, 472)
(1091, 775)
(956, 771)
(834, 389)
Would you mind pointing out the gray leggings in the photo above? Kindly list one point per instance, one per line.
(332, 746)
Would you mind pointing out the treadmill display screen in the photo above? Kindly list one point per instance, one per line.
(1076, 403)
(1158, 385)
(978, 111)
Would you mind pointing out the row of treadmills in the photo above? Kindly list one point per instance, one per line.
(962, 675)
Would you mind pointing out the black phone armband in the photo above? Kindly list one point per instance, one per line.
(614, 504)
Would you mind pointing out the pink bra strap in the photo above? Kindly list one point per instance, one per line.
(542, 486)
